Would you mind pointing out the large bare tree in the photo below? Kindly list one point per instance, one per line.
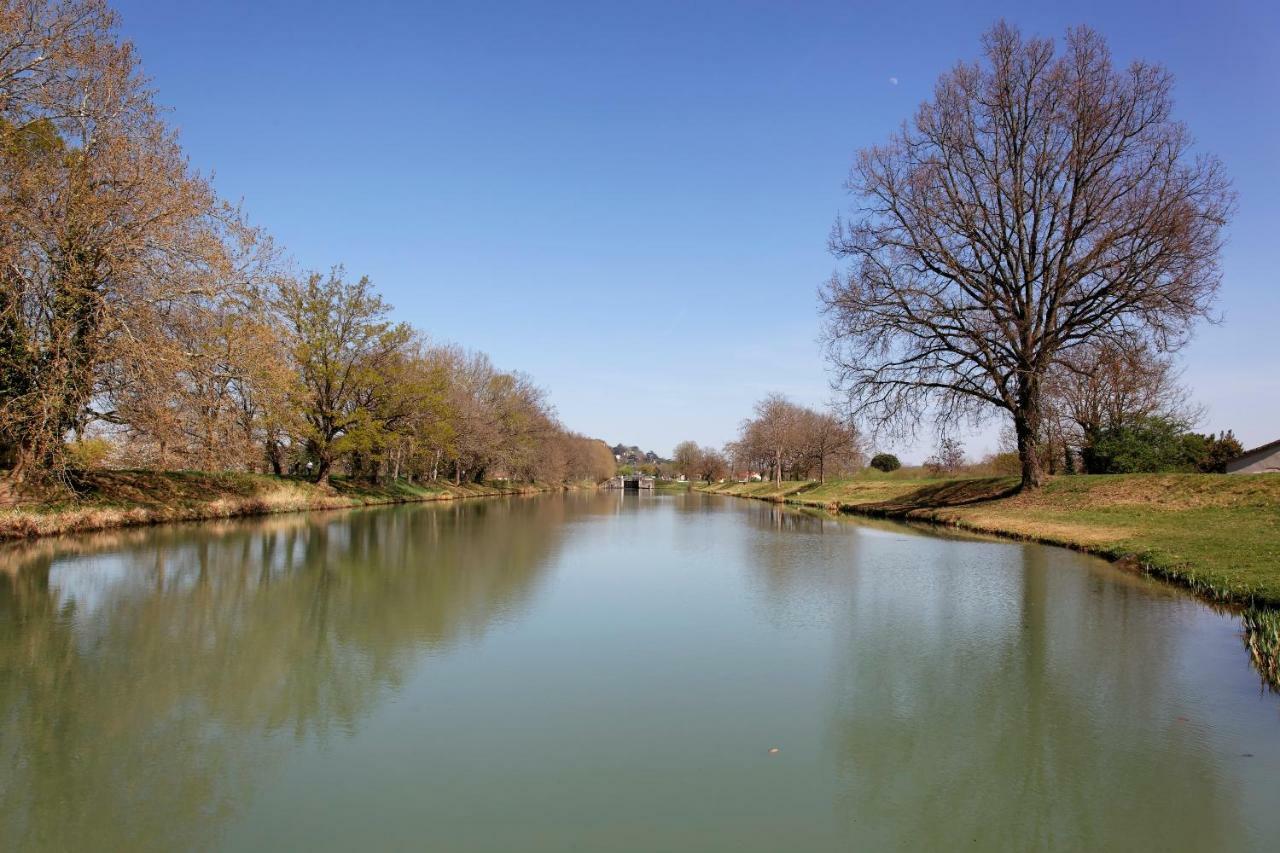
(1039, 202)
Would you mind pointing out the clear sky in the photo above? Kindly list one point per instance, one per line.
(630, 200)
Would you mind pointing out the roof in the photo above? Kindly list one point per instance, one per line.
(1274, 445)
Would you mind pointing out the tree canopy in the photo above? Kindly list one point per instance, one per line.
(1040, 202)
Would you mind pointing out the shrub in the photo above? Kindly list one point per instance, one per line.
(1156, 445)
(87, 454)
(885, 462)
(1214, 452)
(1003, 464)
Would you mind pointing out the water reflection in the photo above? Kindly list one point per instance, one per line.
(997, 696)
(135, 666)
(604, 672)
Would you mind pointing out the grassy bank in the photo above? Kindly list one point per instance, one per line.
(111, 499)
(1217, 534)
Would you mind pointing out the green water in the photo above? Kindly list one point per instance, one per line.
(604, 672)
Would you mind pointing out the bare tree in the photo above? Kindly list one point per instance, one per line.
(827, 441)
(773, 432)
(947, 459)
(1037, 203)
(711, 464)
(686, 456)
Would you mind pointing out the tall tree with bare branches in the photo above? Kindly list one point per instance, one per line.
(1040, 202)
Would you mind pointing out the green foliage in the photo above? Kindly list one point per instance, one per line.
(1216, 451)
(1158, 444)
(346, 351)
(87, 454)
(1005, 464)
(885, 462)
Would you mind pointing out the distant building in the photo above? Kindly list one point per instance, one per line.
(1260, 460)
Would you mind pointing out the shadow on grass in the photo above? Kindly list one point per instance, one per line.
(954, 493)
(169, 488)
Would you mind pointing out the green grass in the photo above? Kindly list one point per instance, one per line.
(1217, 534)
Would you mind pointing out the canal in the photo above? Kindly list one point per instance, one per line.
(616, 671)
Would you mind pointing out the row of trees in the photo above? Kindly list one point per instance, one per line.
(698, 462)
(790, 441)
(139, 310)
(312, 373)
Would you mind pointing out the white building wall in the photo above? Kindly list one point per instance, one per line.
(1264, 460)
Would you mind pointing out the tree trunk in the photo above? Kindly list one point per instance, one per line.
(275, 457)
(323, 465)
(1026, 425)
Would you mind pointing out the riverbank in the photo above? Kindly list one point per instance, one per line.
(111, 499)
(1219, 535)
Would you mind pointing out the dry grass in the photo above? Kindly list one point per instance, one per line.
(113, 499)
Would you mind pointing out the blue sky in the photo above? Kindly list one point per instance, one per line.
(630, 201)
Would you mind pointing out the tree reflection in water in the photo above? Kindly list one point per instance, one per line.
(970, 692)
(133, 664)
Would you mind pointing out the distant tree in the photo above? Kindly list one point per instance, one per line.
(774, 433)
(686, 456)
(711, 465)
(1036, 204)
(947, 459)
(826, 442)
(885, 462)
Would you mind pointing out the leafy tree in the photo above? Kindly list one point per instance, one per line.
(885, 462)
(101, 219)
(343, 347)
(1212, 453)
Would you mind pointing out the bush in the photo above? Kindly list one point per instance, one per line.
(87, 454)
(1158, 445)
(1213, 453)
(885, 462)
(1003, 464)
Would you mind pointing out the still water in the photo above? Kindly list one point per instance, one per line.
(604, 672)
